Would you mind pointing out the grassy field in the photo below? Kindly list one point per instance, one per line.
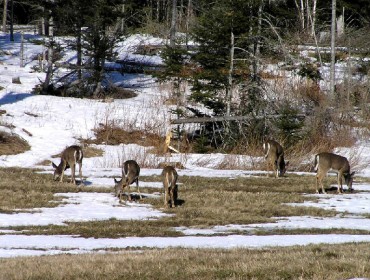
(329, 262)
(204, 202)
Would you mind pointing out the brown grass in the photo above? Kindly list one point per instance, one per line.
(24, 189)
(207, 202)
(12, 144)
(113, 135)
(319, 262)
(203, 202)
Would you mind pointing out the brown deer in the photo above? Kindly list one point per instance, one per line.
(130, 175)
(329, 161)
(274, 154)
(70, 156)
(170, 176)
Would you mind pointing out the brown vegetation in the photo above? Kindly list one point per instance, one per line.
(319, 262)
(113, 135)
(12, 144)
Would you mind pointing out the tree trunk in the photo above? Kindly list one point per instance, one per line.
(230, 78)
(332, 64)
(300, 8)
(11, 20)
(257, 44)
(21, 53)
(49, 71)
(313, 23)
(79, 52)
(5, 13)
(173, 23)
(189, 13)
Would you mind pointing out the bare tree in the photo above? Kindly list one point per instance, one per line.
(332, 64)
(173, 23)
(5, 13)
(307, 14)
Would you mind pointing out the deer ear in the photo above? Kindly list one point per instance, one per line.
(53, 164)
(116, 181)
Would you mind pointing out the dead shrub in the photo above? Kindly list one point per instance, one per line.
(237, 162)
(120, 93)
(111, 134)
(143, 157)
(176, 164)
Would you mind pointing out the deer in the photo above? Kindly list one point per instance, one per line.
(274, 154)
(130, 175)
(71, 156)
(169, 176)
(329, 161)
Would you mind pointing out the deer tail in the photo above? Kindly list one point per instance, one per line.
(168, 179)
(316, 163)
(266, 147)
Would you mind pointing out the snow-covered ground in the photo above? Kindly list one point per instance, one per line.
(50, 123)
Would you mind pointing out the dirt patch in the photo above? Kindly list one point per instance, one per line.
(12, 144)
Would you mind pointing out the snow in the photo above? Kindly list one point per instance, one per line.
(57, 122)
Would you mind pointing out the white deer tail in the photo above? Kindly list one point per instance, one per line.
(169, 179)
(317, 160)
(78, 155)
(266, 148)
(123, 171)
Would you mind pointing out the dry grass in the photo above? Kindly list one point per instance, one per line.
(12, 144)
(206, 202)
(24, 189)
(203, 202)
(113, 135)
(329, 262)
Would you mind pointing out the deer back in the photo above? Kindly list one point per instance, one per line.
(71, 155)
(170, 176)
(273, 149)
(130, 171)
(329, 161)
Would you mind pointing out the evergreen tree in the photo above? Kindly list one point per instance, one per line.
(91, 22)
(212, 33)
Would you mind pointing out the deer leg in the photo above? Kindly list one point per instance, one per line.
(73, 169)
(319, 178)
(340, 188)
(80, 172)
(120, 196)
(276, 169)
(172, 198)
(165, 197)
(128, 192)
(138, 190)
(317, 184)
(63, 168)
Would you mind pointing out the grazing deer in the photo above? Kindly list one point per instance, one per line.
(169, 183)
(274, 154)
(130, 175)
(70, 156)
(329, 161)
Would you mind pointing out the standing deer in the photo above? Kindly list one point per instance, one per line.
(274, 154)
(169, 183)
(130, 175)
(329, 161)
(70, 156)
